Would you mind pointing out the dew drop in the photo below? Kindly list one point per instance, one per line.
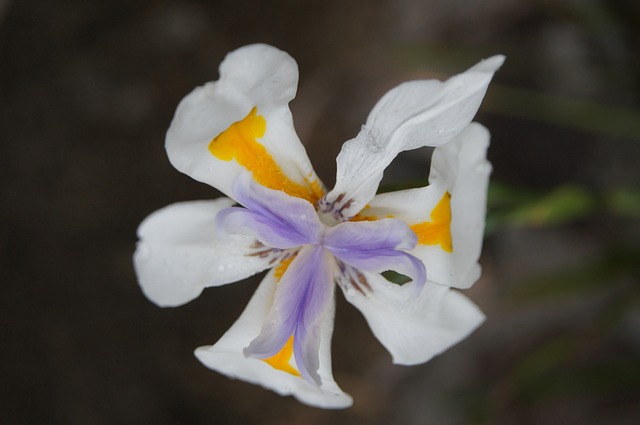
(351, 292)
(441, 131)
(221, 268)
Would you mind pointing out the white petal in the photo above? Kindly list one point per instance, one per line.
(460, 168)
(257, 76)
(414, 114)
(179, 253)
(226, 356)
(415, 329)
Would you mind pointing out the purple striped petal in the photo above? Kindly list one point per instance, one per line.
(302, 299)
(275, 218)
(377, 246)
(272, 233)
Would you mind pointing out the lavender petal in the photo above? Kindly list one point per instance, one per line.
(302, 299)
(377, 246)
(295, 216)
(270, 232)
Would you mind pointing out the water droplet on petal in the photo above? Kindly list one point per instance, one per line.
(441, 131)
(351, 292)
(221, 268)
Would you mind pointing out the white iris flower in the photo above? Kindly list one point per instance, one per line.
(237, 135)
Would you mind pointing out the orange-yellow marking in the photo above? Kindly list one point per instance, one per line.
(282, 267)
(438, 230)
(362, 215)
(359, 217)
(281, 359)
(239, 142)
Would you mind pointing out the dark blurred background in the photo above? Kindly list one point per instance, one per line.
(87, 90)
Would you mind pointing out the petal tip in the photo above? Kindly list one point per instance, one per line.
(198, 352)
(257, 372)
(491, 64)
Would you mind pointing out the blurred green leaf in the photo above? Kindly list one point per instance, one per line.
(512, 207)
(625, 203)
(592, 275)
(563, 204)
(501, 195)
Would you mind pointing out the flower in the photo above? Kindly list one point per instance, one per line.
(237, 135)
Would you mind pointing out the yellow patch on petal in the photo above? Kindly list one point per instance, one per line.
(239, 142)
(438, 230)
(316, 190)
(282, 358)
(282, 267)
(360, 217)
(363, 216)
